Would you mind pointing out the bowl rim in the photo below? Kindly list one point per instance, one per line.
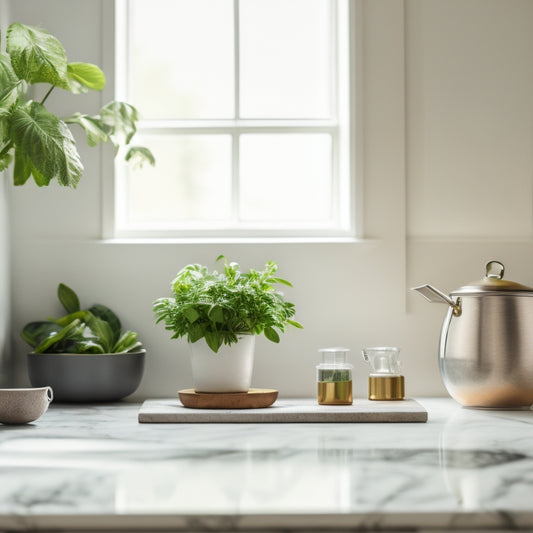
(140, 352)
(23, 389)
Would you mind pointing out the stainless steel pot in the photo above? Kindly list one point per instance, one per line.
(486, 341)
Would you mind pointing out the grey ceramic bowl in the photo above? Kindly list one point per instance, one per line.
(87, 377)
(20, 406)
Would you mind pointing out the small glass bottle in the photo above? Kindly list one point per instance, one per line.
(385, 381)
(334, 377)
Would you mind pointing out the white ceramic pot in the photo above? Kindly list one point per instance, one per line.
(228, 370)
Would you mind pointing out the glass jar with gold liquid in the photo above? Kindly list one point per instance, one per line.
(334, 377)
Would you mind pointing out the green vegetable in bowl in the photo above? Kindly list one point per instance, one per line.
(96, 330)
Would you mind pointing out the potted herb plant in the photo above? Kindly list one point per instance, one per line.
(84, 355)
(220, 314)
(33, 139)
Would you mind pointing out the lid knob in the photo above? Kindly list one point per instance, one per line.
(494, 270)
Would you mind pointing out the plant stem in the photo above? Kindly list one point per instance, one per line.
(47, 94)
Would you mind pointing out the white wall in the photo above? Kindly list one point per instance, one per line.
(446, 163)
(5, 293)
(469, 146)
(5, 300)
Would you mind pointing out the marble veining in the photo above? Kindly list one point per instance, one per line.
(95, 467)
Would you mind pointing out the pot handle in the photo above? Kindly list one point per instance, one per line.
(433, 295)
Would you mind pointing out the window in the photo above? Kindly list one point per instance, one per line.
(245, 105)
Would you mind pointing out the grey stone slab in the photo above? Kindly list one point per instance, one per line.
(170, 410)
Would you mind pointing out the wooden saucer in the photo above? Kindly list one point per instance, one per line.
(253, 399)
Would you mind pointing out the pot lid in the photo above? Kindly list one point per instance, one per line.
(492, 282)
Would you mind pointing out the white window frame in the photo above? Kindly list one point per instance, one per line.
(344, 128)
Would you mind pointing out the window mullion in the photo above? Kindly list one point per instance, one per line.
(334, 60)
(235, 185)
(236, 59)
(334, 110)
(235, 192)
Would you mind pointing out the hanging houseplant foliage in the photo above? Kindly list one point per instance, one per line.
(34, 140)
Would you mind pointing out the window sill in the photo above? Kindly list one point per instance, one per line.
(239, 240)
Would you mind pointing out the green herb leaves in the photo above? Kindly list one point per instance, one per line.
(96, 330)
(38, 142)
(220, 306)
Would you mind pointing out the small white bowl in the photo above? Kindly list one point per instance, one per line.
(20, 406)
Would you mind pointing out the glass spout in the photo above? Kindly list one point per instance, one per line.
(384, 361)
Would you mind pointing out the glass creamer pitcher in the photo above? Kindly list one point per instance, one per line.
(385, 381)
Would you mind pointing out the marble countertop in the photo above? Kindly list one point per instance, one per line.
(94, 467)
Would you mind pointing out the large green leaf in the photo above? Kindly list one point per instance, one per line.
(10, 85)
(82, 316)
(7, 75)
(10, 89)
(85, 346)
(9, 92)
(102, 330)
(38, 178)
(36, 56)
(68, 298)
(47, 142)
(139, 155)
(5, 142)
(5, 160)
(73, 328)
(104, 313)
(35, 332)
(22, 170)
(121, 117)
(94, 128)
(86, 75)
(128, 342)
